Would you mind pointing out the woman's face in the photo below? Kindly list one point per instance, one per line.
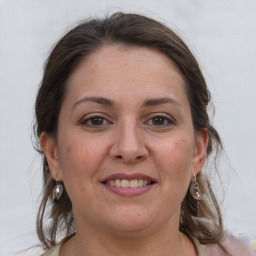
(125, 147)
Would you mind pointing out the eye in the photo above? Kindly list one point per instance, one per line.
(160, 120)
(95, 121)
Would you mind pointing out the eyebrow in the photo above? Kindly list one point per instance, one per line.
(110, 103)
(159, 101)
(99, 100)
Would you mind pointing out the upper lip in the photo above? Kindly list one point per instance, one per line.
(125, 176)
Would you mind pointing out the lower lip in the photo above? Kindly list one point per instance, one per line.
(129, 191)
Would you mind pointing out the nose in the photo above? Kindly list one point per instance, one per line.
(129, 145)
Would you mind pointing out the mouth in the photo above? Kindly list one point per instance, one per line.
(129, 184)
(124, 183)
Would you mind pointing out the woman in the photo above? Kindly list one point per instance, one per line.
(121, 116)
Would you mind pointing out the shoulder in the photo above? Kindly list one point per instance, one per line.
(234, 245)
(238, 245)
(54, 251)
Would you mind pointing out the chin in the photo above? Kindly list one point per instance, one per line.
(131, 220)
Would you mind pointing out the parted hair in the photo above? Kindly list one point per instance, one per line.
(56, 220)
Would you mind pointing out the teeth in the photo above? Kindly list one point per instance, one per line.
(140, 182)
(128, 183)
(134, 184)
(117, 183)
(125, 183)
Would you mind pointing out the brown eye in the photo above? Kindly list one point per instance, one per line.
(158, 120)
(96, 121)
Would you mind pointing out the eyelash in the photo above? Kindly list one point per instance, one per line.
(89, 118)
(165, 118)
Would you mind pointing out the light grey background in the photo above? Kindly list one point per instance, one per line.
(222, 34)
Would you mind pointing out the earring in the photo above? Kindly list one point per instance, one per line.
(57, 191)
(195, 190)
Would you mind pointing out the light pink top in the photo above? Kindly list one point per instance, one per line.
(236, 246)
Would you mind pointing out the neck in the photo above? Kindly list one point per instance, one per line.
(163, 241)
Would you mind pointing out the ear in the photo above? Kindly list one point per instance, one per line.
(201, 143)
(50, 149)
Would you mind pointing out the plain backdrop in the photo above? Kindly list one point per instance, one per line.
(221, 34)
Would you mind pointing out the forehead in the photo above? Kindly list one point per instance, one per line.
(118, 71)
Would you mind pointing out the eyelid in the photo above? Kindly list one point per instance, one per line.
(94, 114)
(161, 114)
(149, 117)
(89, 116)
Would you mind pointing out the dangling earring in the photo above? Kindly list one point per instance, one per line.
(195, 190)
(57, 191)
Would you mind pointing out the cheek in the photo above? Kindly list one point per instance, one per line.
(177, 152)
(175, 161)
(79, 159)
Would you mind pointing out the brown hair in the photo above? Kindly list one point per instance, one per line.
(130, 30)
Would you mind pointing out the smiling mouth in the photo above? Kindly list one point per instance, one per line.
(129, 185)
(124, 183)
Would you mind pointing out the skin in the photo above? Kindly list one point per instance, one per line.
(128, 138)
